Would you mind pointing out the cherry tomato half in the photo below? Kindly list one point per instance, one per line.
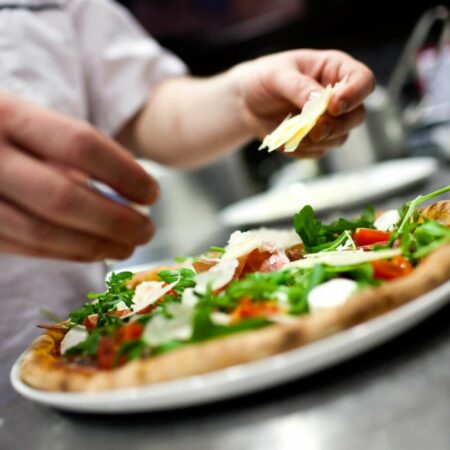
(397, 267)
(368, 236)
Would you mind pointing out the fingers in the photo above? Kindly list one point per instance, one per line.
(332, 66)
(51, 136)
(315, 150)
(360, 82)
(291, 85)
(23, 234)
(47, 194)
(329, 127)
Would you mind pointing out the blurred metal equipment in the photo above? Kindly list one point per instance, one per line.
(426, 63)
(429, 67)
(406, 63)
(390, 118)
(380, 137)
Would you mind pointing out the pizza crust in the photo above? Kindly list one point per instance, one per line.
(42, 368)
(439, 211)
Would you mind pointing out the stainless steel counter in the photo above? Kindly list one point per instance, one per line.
(394, 397)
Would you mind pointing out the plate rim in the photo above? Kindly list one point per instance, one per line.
(249, 377)
(432, 162)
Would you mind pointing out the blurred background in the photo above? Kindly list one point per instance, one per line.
(406, 45)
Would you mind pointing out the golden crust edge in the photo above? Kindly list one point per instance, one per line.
(40, 369)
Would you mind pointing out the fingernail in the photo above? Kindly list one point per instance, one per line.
(325, 131)
(342, 107)
(149, 192)
(146, 232)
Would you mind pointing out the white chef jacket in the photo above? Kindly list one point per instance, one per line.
(91, 60)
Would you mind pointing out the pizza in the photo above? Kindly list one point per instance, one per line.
(268, 291)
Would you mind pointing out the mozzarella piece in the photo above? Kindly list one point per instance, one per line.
(189, 298)
(331, 294)
(293, 129)
(216, 277)
(160, 329)
(220, 318)
(73, 337)
(148, 292)
(345, 258)
(387, 220)
(243, 242)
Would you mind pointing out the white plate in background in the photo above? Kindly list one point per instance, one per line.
(340, 190)
(245, 378)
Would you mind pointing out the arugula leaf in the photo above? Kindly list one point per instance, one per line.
(257, 286)
(409, 211)
(106, 301)
(427, 237)
(214, 248)
(88, 347)
(167, 347)
(308, 227)
(319, 237)
(317, 276)
(186, 278)
(131, 349)
(181, 259)
(430, 231)
(204, 328)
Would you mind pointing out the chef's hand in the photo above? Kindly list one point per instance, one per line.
(46, 207)
(274, 86)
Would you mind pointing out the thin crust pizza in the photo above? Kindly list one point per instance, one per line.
(268, 291)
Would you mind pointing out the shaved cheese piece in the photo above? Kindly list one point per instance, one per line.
(73, 337)
(121, 306)
(293, 129)
(332, 294)
(321, 255)
(387, 220)
(161, 329)
(343, 258)
(148, 292)
(217, 277)
(243, 242)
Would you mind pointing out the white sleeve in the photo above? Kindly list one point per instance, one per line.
(121, 62)
(39, 60)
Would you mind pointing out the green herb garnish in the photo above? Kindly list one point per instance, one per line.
(106, 301)
(319, 237)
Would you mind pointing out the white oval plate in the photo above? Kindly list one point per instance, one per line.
(245, 378)
(340, 190)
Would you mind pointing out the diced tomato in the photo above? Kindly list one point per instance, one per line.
(91, 321)
(368, 236)
(397, 267)
(106, 353)
(122, 312)
(130, 332)
(248, 309)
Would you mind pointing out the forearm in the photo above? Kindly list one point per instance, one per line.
(189, 122)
